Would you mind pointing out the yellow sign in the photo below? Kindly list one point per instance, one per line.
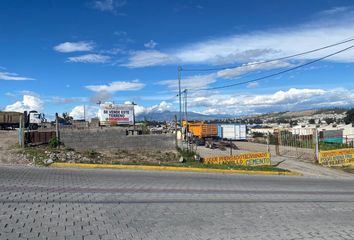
(246, 159)
(339, 157)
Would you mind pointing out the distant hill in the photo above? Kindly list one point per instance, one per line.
(169, 116)
(304, 113)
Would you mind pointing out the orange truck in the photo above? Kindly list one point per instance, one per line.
(202, 130)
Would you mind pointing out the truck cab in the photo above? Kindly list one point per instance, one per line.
(35, 119)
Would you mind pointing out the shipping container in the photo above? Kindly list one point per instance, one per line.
(232, 131)
(202, 130)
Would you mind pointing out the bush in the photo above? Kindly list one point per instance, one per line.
(53, 142)
(188, 155)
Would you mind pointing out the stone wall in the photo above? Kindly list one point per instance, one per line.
(115, 139)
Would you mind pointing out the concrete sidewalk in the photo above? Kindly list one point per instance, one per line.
(309, 169)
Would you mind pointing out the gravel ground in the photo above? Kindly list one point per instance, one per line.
(8, 151)
(207, 152)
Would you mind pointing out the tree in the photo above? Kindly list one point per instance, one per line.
(293, 123)
(349, 118)
(67, 118)
(329, 120)
(312, 121)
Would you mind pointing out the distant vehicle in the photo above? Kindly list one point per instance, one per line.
(32, 119)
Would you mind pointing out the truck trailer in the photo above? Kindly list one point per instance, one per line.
(201, 129)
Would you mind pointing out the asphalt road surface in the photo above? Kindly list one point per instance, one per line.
(42, 203)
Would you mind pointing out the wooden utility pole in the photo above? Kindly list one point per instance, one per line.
(22, 132)
(57, 128)
(186, 112)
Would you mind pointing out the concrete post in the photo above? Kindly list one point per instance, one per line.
(268, 140)
(276, 136)
(21, 137)
(317, 148)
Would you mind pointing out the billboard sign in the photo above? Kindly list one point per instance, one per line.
(113, 114)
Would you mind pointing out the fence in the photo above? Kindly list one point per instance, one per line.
(299, 143)
(37, 137)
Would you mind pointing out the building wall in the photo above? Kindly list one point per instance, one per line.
(112, 139)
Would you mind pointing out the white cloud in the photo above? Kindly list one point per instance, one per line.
(66, 100)
(161, 107)
(261, 45)
(292, 96)
(117, 86)
(28, 103)
(190, 82)
(68, 47)
(252, 85)
(108, 5)
(291, 99)
(90, 58)
(101, 96)
(82, 111)
(150, 44)
(250, 67)
(196, 82)
(13, 77)
(149, 58)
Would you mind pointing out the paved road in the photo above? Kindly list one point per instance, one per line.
(42, 203)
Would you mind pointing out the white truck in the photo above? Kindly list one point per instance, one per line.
(32, 119)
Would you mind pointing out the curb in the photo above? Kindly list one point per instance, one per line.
(167, 168)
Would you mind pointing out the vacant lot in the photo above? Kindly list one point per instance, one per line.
(8, 148)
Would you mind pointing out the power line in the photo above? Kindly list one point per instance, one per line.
(278, 73)
(267, 61)
(271, 60)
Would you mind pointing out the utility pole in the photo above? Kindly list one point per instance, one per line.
(186, 111)
(179, 95)
(57, 133)
(84, 113)
(176, 131)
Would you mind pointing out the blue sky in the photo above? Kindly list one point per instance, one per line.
(56, 56)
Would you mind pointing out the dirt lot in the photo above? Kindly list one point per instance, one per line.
(9, 148)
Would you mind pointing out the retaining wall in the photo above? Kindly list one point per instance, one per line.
(116, 139)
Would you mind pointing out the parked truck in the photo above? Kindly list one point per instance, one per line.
(31, 120)
(199, 132)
